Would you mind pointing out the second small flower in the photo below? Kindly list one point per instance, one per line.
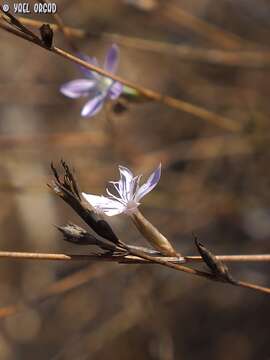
(96, 87)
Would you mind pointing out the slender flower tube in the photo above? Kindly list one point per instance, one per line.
(96, 87)
(126, 199)
(153, 235)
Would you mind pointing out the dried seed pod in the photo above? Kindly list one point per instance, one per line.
(68, 189)
(70, 180)
(76, 235)
(217, 267)
(46, 34)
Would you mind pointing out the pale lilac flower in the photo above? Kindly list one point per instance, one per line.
(128, 193)
(95, 86)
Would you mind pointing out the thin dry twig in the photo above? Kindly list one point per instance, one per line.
(143, 258)
(211, 32)
(16, 255)
(199, 273)
(235, 258)
(256, 58)
(48, 256)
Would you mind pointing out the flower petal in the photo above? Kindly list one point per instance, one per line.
(103, 204)
(125, 183)
(111, 60)
(93, 106)
(115, 90)
(126, 173)
(91, 60)
(149, 185)
(77, 88)
(136, 184)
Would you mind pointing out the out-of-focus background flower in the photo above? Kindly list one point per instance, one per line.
(214, 183)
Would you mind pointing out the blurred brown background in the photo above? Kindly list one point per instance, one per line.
(214, 183)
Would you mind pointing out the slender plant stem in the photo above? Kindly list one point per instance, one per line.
(73, 257)
(245, 58)
(149, 259)
(203, 28)
(199, 273)
(235, 258)
(46, 256)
